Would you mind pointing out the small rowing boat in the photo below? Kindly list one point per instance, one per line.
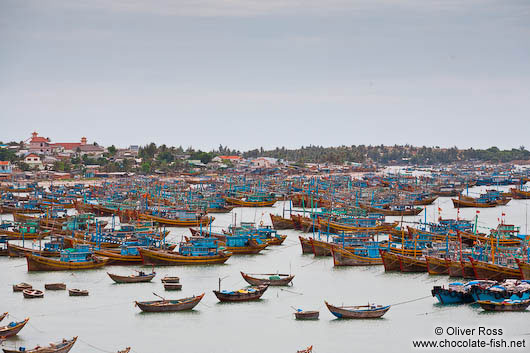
(273, 279)
(300, 314)
(370, 311)
(21, 286)
(55, 286)
(241, 295)
(63, 346)
(140, 277)
(74, 292)
(169, 304)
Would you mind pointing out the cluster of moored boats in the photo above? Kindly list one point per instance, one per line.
(60, 228)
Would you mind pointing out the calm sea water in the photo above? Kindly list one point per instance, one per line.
(107, 320)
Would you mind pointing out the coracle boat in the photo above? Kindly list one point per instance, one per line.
(165, 305)
(300, 314)
(242, 295)
(74, 292)
(13, 328)
(274, 279)
(370, 311)
(506, 305)
(140, 277)
(33, 293)
(55, 286)
(80, 258)
(63, 346)
(21, 286)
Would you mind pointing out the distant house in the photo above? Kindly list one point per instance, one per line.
(91, 150)
(43, 145)
(264, 162)
(6, 167)
(39, 144)
(33, 160)
(233, 159)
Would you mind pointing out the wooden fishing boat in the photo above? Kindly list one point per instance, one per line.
(242, 295)
(33, 293)
(21, 286)
(461, 203)
(343, 257)
(221, 209)
(471, 238)
(278, 222)
(140, 277)
(307, 350)
(126, 350)
(13, 328)
(245, 203)
(412, 264)
(437, 266)
(273, 279)
(170, 258)
(524, 267)
(306, 314)
(485, 270)
(2, 316)
(55, 286)
(166, 305)
(14, 209)
(391, 261)
(460, 269)
(506, 305)
(338, 227)
(63, 346)
(21, 251)
(520, 194)
(253, 247)
(15, 235)
(320, 248)
(370, 311)
(74, 292)
(116, 257)
(307, 248)
(177, 222)
(40, 263)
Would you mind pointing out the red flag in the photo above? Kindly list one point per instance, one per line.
(503, 214)
(478, 211)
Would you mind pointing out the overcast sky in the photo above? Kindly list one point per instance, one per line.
(268, 73)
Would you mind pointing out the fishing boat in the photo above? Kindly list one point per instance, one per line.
(460, 268)
(437, 265)
(177, 219)
(370, 311)
(241, 295)
(4, 245)
(300, 314)
(33, 293)
(63, 346)
(13, 328)
(307, 350)
(363, 256)
(126, 350)
(21, 251)
(307, 248)
(21, 286)
(506, 305)
(79, 258)
(455, 293)
(135, 278)
(55, 286)
(393, 210)
(74, 292)
(486, 270)
(272, 279)
(198, 251)
(250, 201)
(166, 305)
(391, 261)
(278, 222)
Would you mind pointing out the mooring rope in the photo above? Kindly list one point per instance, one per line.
(412, 300)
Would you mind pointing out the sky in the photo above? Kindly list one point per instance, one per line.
(250, 74)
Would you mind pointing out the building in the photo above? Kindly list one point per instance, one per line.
(264, 162)
(91, 150)
(43, 145)
(39, 144)
(33, 160)
(233, 159)
(6, 167)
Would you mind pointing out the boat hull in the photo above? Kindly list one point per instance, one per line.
(168, 258)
